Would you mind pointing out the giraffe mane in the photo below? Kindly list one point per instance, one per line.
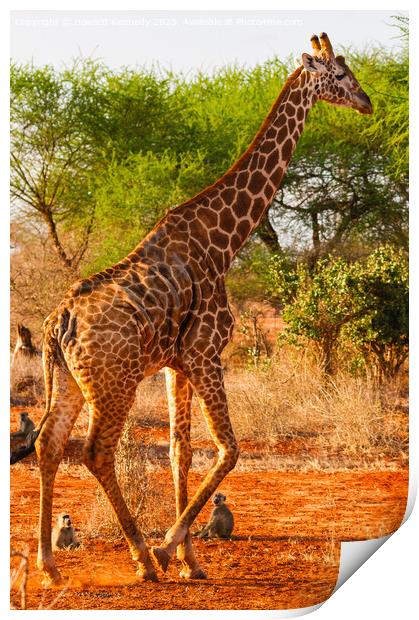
(207, 190)
(255, 142)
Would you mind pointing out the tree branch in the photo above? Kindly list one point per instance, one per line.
(268, 235)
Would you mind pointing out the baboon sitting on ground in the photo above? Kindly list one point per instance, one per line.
(221, 521)
(63, 534)
(26, 426)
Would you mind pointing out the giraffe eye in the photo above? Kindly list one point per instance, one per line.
(340, 76)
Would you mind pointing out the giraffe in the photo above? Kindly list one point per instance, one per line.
(165, 306)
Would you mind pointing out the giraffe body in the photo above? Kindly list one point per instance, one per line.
(165, 305)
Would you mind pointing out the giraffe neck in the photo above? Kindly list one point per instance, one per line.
(226, 213)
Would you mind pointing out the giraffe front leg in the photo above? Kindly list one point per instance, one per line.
(107, 416)
(209, 387)
(179, 394)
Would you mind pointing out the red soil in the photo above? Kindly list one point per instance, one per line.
(285, 553)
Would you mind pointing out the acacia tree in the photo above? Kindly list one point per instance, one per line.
(54, 128)
(331, 199)
(348, 179)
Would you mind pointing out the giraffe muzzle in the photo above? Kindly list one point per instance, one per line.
(363, 103)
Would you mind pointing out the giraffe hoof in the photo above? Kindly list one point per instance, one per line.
(161, 558)
(53, 581)
(144, 574)
(197, 573)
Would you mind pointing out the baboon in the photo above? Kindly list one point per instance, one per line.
(165, 305)
(24, 346)
(26, 427)
(63, 534)
(221, 521)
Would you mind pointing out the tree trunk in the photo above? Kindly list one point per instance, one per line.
(315, 233)
(268, 235)
(56, 243)
(327, 353)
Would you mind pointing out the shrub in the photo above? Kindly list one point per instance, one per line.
(317, 303)
(381, 330)
(363, 304)
(145, 500)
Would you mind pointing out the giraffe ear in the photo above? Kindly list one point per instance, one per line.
(312, 64)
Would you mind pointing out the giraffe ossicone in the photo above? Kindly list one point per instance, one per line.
(165, 305)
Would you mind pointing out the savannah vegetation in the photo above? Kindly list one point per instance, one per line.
(98, 156)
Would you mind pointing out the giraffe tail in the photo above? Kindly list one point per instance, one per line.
(50, 355)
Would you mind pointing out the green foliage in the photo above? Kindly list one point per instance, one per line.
(132, 196)
(317, 303)
(381, 331)
(98, 155)
(248, 277)
(136, 115)
(220, 113)
(389, 84)
(363, 303)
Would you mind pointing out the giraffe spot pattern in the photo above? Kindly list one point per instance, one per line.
(165, 304)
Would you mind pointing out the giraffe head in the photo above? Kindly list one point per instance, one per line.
(335, 82)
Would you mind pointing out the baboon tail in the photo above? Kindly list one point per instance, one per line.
(20, 453)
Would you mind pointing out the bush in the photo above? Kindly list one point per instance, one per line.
(381, 331)
(146, 501)
(317, 303)
(349, 421)
(363, 304)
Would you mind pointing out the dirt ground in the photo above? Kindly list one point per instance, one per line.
(285, 553)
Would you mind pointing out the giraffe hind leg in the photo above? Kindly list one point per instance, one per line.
(211, 394)
(66, 403)
(107, 417)
(179, 395)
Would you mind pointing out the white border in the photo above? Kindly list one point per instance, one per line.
(386, 586)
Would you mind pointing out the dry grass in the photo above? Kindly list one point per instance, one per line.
(26, 381)
(296, 420)
(38, 279)
(150, 405)
(348, 419)
(311, 553)
(150, 504)
(291, 399)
